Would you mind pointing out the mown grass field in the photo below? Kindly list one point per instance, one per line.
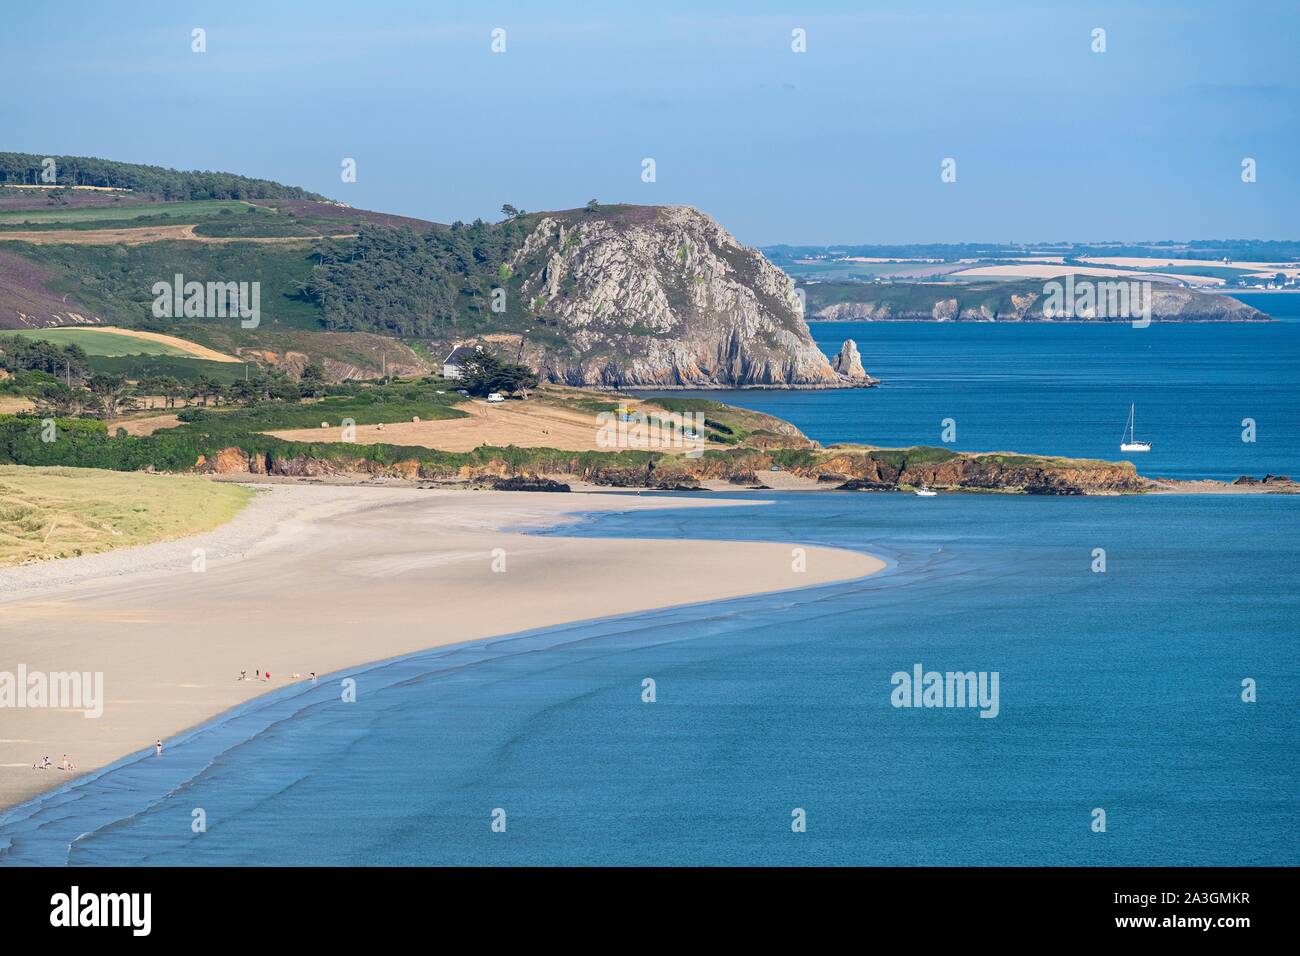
(105, 342)
(63, 512)
(175, 211)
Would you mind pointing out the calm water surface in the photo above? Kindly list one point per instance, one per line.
(1118, 690)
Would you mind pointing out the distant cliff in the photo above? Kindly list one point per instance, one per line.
(1002, 302)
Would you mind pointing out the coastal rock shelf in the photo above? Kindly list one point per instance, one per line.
(849, 468)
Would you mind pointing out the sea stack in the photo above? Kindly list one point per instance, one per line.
(848, 363)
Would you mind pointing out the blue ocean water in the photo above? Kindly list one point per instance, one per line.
(1119, 690)
(1059, 389)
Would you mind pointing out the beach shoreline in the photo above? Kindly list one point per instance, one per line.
(327, 578)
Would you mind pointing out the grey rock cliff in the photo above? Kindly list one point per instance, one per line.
(661, 296)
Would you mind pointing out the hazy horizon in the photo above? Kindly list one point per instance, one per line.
(1143, 140)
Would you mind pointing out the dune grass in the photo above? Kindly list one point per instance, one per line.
(63, 512)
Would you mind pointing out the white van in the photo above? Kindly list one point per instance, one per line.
(495, 397)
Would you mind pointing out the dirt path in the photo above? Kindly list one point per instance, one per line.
(12, 404)
(144, 234)
(146, 425)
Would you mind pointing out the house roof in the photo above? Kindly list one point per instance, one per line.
(460, 355)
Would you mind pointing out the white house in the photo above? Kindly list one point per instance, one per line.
(453, 366)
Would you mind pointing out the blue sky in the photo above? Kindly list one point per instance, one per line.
(840, 144)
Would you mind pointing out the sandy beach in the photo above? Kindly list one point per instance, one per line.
(322, 578)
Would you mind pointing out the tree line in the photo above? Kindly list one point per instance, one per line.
(21, 354)
(409, 284)
(25, 169)
(103, 395)
(61, 384)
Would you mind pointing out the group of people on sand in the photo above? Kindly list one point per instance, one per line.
(64, 764)
(266, 675)
(67, 764)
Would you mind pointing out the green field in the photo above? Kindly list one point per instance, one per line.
(102, 342)
(136, 367)
(389, 403)
(178, 212)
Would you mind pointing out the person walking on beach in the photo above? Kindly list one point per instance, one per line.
(158, 747)
(67, 763)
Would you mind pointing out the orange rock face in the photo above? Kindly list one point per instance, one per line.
(225, 462)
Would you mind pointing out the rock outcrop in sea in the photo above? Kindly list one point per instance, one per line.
(849, 363)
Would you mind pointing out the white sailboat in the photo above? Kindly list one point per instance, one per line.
(1129, 442)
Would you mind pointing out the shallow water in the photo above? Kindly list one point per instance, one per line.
(1118, 690)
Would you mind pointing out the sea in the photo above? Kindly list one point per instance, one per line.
(1057, 389)
(1145, 653)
